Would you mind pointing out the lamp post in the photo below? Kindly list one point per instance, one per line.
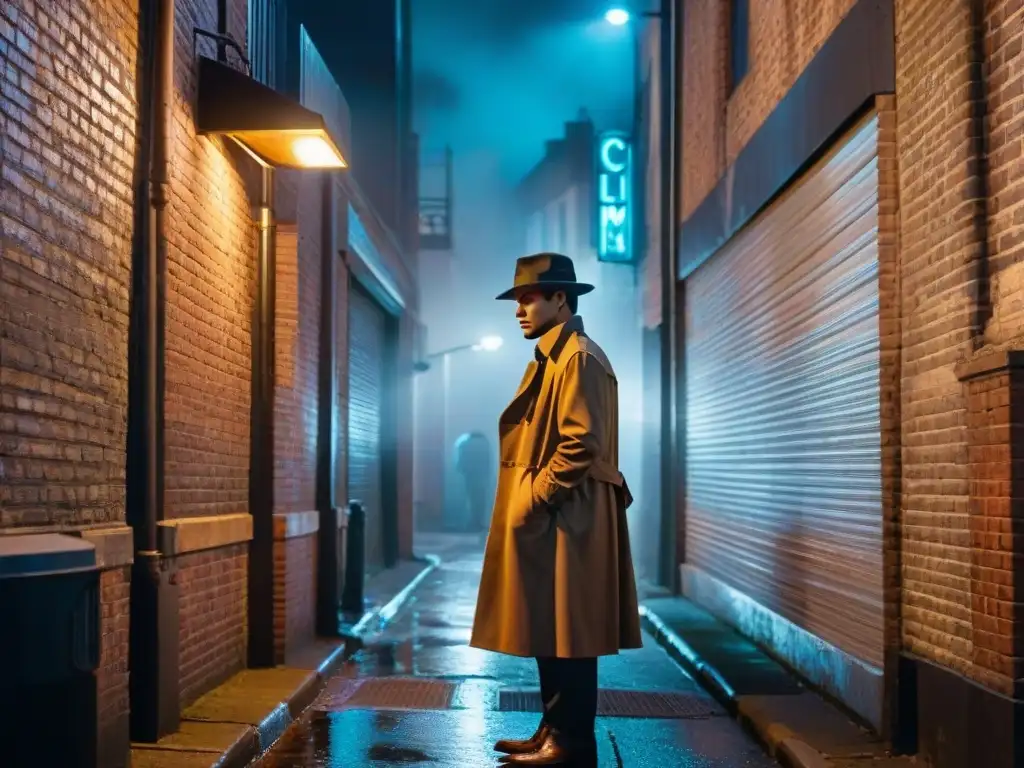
(670, 26)
(483, 344)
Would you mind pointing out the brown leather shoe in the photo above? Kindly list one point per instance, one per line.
(550, 752)
(523, 746)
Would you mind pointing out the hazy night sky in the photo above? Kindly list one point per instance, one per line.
(504, 75)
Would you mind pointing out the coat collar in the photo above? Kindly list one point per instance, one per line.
(551, 343)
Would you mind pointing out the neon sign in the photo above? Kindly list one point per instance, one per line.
(614, 162)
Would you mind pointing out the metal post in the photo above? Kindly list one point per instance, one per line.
(352, 596)
(261, 475)
(328, 595)
(153, 637)
(447, 479)
(671, 109)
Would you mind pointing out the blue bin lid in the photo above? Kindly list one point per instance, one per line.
(37, 554)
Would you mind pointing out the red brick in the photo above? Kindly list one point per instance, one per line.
(112, 675)
(295, 574)
(783, 39)
(297, 348)
(67, 79)
(210, 289)
(212, 636)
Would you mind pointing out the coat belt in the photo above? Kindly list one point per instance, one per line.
(601, 470)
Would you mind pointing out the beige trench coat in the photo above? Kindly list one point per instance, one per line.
(558, 573)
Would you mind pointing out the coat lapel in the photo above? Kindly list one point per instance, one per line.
(520, 405)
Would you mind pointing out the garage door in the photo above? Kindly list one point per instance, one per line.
(783, 431)
(367, 344)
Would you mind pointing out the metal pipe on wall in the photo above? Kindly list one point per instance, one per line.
(328, 598)
(261, 460)
(671, 110)
(153, 638)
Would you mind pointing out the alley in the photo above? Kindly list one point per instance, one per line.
(416, 694)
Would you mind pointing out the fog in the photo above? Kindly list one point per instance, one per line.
(494, 82)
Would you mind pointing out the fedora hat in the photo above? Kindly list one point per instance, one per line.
(545, 272)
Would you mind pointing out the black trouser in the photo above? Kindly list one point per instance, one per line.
(568, 688)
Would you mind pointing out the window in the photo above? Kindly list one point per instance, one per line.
(739, 41)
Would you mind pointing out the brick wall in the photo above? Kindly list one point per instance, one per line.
(948, 488)
(996, 633)
(295, 565)
(297, 349)
(67, 121)
(112, 677)
(935, 234)
(784, 37)
(211, 272)
(890, 414)
(1003, 22)
(296, 403)
(932, 287)
(210, 289)
(342, 278)
(212, 623)
(704, 92)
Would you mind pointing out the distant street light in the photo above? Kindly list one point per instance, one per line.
(483, 344)
(489, 344)
(617, 16)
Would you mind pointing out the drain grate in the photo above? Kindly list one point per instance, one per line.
(614, 703)
(386, 693)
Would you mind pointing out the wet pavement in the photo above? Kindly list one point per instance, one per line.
(417, 694)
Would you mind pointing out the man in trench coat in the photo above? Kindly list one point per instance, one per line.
(557, 579)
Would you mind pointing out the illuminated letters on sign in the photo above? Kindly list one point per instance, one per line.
(613, 191)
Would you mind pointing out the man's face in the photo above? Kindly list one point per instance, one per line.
(536, 313)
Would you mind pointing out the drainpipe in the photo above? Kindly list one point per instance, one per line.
(153, 654)
(328, 597)
(261, 457)
(980, 190)
(671, 119)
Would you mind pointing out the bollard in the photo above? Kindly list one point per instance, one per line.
(355, 557)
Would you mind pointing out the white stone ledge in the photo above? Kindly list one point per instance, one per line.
(194, 534)
(291, 525)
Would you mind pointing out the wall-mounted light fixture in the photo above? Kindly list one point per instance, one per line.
(276, 130)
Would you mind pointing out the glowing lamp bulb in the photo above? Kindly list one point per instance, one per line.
(314, 152)
(617, 16)
(489, 343)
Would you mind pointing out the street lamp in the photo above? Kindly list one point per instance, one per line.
(489, 344)
(273, 128)
(483, 344)
(670, 103)
(617, 16)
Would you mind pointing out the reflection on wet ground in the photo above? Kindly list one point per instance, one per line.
(417, 694)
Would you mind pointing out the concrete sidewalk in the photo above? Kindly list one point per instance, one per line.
(238, 721)
(798, 727)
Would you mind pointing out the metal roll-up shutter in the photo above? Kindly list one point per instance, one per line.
(783, 437)
(367, 340)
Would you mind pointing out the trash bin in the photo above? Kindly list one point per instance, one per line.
(49, 650)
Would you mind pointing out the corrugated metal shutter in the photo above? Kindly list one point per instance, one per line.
(783, 407)
(366, 345)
